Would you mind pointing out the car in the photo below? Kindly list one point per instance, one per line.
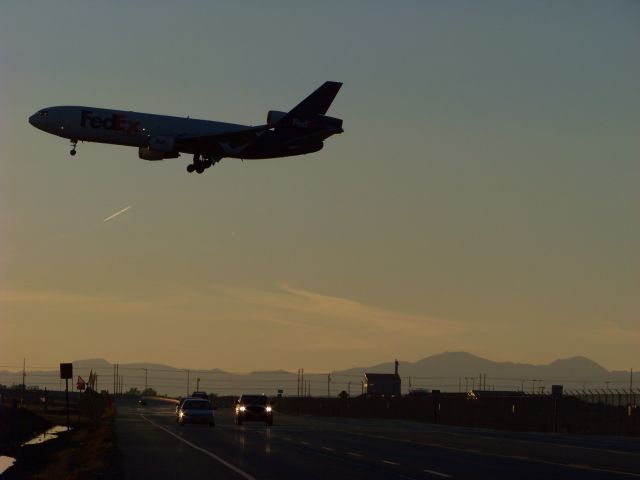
(253, 407)
(196, 410)
(142, 402)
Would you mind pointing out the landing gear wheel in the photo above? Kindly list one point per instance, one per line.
(199, 169)
(191, 167)
(73, 152)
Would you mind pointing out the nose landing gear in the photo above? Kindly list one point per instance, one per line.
(73, 147)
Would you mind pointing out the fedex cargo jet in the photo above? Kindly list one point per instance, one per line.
(299, 131)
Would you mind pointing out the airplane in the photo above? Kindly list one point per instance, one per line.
(301, 130)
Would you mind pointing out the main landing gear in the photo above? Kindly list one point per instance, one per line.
(73, 147)
(199, 165)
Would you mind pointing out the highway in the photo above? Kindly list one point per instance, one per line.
(154, 446)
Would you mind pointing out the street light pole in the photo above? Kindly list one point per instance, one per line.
(145, 378)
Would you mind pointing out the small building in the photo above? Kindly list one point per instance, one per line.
(383, 384)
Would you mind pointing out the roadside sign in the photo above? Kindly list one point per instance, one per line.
(66, 370)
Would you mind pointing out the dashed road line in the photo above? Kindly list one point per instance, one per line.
(437, 474)
(389, 462)
(242, 473)
(500, 455)
(355, 454)
(328, 449)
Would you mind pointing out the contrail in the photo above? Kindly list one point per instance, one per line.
(117, 213)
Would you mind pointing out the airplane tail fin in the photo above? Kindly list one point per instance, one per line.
(315, 104)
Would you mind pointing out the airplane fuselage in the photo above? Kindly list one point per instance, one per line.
(118, 127)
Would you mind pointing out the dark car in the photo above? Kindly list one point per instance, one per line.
(253, 407)
(196, 410)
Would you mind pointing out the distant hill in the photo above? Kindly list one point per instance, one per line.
(448, 371)
(456, 364)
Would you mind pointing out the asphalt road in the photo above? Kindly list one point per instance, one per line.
(154, 446)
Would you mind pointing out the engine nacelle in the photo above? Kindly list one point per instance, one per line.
(274, 116)
(162, 144)
(146, 153)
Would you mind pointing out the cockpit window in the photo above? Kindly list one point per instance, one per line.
(43, 113)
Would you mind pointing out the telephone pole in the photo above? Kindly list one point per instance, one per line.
(24, 374)
(329, 385)
(145, 378)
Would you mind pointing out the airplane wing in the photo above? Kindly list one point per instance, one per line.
(210, 142)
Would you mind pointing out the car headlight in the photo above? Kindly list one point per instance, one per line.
(181, 414)
(243, 408)
(268, 409)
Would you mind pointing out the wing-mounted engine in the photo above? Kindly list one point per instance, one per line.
(159, 148)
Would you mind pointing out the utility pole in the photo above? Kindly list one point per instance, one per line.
(349, 388)
(145, 378)
(197, 384)
(298, 377)
(329, 385)
(188, 373)
(304, 385)
(24, 374)
(114, 380)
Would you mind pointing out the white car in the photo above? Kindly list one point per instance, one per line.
(196, 410)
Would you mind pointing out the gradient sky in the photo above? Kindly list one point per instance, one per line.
(484, 196)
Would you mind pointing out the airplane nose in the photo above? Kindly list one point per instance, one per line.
(31, 119)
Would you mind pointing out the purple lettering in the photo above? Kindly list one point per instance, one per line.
(86, 115)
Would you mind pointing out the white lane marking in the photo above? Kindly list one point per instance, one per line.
(304, 443)
(354, 454)
(389, 462)
(242, 473)
(500, 455)
(327, 449)
(437, 474)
